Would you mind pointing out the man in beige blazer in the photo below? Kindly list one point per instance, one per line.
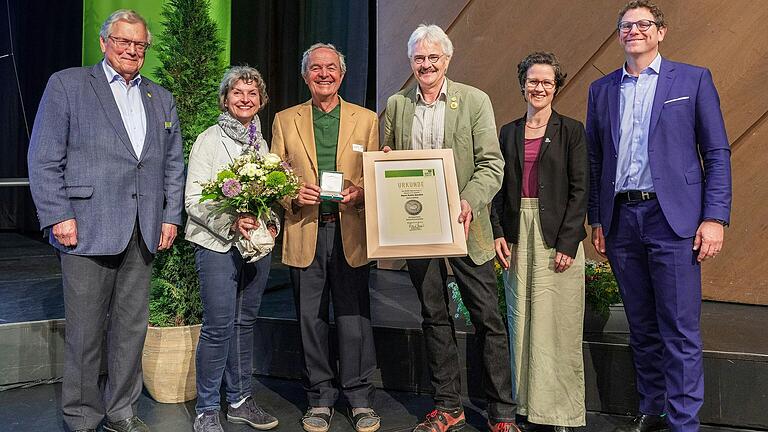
(324, 241)
(439, 113)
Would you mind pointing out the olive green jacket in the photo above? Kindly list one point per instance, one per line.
(470, 130)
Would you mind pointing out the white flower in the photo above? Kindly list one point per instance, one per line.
(249, 169)
(272, 160)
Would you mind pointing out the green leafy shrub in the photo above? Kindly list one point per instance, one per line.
(191, 67)
(602, 290)
(174, 298)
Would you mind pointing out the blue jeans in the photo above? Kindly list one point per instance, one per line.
(231, 291)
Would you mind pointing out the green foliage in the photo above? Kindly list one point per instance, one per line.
(190, 53)
(602, 290)
(174, 298)
(191, 67)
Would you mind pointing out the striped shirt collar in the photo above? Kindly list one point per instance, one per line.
(441, 96)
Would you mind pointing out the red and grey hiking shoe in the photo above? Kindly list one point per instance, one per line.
(503, 427)
(442, 421)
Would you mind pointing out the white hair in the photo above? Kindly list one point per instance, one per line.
(126, 15)
(305, 57)
(432, 34)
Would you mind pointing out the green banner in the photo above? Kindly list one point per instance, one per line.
(95, 12)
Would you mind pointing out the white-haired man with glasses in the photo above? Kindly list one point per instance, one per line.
(439, 113)
(106, 172)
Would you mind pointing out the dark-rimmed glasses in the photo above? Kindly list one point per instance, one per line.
(433, 58)
(547, 84)
(642, 25)
(124, 44)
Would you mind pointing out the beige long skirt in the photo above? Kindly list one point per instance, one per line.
(545, 311)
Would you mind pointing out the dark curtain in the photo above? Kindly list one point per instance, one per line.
(271, 35)
(43, 37)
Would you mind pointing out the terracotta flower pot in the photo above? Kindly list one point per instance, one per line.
(168, 362)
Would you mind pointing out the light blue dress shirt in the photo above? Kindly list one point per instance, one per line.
(128, 98)
(633, 171)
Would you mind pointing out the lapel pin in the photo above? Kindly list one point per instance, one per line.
(454, 104)
(547, 140)
(167, 125)
(149, 95)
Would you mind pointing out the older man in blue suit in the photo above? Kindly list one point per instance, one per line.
(106, 173)
(660, 197)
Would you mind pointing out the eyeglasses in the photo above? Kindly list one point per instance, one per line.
(433, 58)
(124, 44)
(547, 84)
(642, 25)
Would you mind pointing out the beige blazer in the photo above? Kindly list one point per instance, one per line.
(293, 139)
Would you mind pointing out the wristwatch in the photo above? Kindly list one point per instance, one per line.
(720, 221)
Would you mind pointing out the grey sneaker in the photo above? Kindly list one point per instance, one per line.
(208, 422)
(251, 414)
(133, 424)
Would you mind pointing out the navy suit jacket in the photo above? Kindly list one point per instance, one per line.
(688, 149)
(82, 164)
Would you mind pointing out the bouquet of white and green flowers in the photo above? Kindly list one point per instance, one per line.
(251, 184)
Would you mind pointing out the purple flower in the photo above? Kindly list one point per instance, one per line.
(231, 187)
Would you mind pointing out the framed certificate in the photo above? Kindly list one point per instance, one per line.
(412, 205)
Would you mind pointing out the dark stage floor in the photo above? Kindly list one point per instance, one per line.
(36, 409)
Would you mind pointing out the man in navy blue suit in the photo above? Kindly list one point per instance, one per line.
(659, 200)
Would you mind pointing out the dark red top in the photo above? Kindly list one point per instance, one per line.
(531, 168)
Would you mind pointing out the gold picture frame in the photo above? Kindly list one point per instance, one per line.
(412, 205)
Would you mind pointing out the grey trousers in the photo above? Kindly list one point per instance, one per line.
(105, 302)
(330, 278)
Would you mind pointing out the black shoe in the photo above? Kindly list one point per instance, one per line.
(645, 423)
(133, 424)
(524, 425)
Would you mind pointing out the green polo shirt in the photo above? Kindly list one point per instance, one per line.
(326, 125)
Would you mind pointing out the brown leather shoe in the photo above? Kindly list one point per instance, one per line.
(645, 423)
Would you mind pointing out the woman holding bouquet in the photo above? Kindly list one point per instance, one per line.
(231, 287)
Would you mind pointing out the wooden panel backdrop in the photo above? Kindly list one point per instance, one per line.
(491, 36)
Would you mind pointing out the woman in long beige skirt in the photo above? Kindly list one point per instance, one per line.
(538, 223)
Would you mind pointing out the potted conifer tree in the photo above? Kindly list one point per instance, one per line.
(191, 67)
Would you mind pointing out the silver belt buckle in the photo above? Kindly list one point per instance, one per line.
(645, 196)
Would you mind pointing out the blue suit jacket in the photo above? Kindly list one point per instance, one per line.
(82, 164)
(688, 149)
